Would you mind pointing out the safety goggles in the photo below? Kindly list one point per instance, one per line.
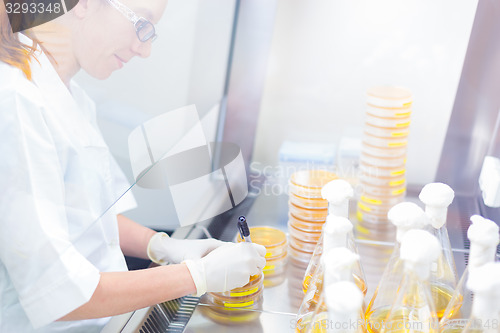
(144, 29)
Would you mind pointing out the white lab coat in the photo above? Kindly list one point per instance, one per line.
(56, 178)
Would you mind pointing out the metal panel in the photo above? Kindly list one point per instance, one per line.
(246, 74)
(476, 105)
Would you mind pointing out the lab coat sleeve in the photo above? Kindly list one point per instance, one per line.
(50, 276)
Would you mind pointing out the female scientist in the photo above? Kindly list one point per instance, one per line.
(60, 271)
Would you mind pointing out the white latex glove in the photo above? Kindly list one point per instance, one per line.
(162, 249)
(227, 267)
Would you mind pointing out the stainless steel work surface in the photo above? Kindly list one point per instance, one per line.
(281, 302)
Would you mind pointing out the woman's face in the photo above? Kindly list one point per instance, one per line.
(106, 39)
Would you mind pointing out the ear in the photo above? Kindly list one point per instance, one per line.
(81, 8)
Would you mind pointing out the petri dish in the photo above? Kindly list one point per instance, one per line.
(316, 215)
(401, 122)
(383, 181)
(308, 183)
(307, 236)
(383, 152)
(304, 225)
(389, 96)
(299, 258)
(220, 316)
(237, 306)
(275, 266)
(385, 142)
(377, 171)
(377, 161)
(371, 218)
(375, 232)
(385, 191)
(302, 245)
(232, 315)
(386, 112)
(387, 132)
(308, 203)
(365, 207)
(230, 303)
(274, 280)
(250, 288)
(273, 239)
(378, 200)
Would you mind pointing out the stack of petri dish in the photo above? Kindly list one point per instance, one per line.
(307, 213)
(275, 242)
(238, 306)
(383, 155)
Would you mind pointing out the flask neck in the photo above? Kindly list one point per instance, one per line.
(339, 209)
(437, 215)
(485, 306)
(331, 241)
(419, 272)
(480, 255)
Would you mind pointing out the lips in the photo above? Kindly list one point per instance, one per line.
(120, 61)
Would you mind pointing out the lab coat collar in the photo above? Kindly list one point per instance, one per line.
(46, 78)
(60, 99)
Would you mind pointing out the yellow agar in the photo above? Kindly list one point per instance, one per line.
(238, 305)
(396, 144)
(363, 207)
(397, 182)
(397, 173)
(244, 293)
(371, 201)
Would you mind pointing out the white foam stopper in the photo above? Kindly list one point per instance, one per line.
(419, 249)
(335, 230)
(338, 192)
(484, 281)
(407, 216)
(484, 237)
(436, 198)
(344, 301)
(338, 263)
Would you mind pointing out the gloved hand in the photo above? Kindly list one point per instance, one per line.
(162, 249)
(227, 267)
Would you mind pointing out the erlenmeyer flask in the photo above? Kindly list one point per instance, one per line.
(484, 282)
(437, 197)
(339, 310)
(405, 216)
(334, 234)
(413, 309)
(336, 265)
(337, 192)
(484, 238)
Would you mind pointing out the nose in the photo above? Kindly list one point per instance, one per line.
(142, 49)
